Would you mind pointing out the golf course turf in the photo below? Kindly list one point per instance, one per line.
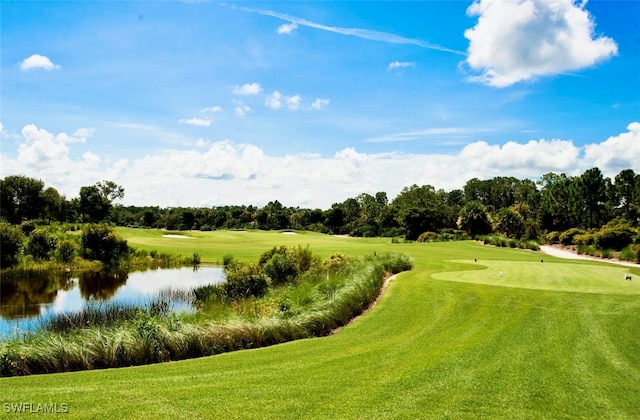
(506, 336)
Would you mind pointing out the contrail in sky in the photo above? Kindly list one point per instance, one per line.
(357, 32)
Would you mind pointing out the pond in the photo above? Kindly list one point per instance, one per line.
(26, 303)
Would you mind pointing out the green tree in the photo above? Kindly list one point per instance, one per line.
(335, 219)
(555, 210)
(93, 206)
(474, 219)
(627, 194)
(110, 190)
(20, 198)
(592, 189)
(420, 209)
(52, 204)
(96, 201)
(510, 223)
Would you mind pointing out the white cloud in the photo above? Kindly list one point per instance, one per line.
(202, 143)
(242, 110)
(212, 109)
(274, 101)
(277, 100)
(357, 32)
(320, 103)
(400, 65)
(223, 172)
(536, 156)
(516, 41)
(247, 89)
(617, 152)
(82, 133)
(47, 156)
(287, 28)
(293, 102)
(200, 122)
(37, 61)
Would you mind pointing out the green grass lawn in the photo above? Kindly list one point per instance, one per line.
(446, 340)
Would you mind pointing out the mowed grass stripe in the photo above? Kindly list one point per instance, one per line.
(429, 349)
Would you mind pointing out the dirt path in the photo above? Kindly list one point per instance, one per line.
(566, 253)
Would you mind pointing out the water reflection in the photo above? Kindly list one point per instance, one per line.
(101, 285)
(28, 300)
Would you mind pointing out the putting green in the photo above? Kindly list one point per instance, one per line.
(565, 277)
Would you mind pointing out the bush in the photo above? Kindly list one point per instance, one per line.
(614, 238)
(100, 242)
(627, 254)
(553, 237)
(566, 237)
(281, 269)
(584, 239)
(66, 250)
(227, 259)
(427, 237)
(244, 280)
(607, 253)
(40, 244)
(303, 258)
(11, 243)
(335, 261)
(636, 249)
(27, 227)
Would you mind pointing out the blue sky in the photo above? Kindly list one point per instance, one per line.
(208, 103)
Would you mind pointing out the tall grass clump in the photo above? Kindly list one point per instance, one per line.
(323, 299)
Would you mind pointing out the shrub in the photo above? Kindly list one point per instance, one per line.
(587, 250)
(227, 259)
(100, 242)
(335, 261)
(66, 250)
(281, 269)
(566, 237)
(584, 239)
(267, 255)
(615, 238)
(27, 227)
(552, 237)
(607, 253)
(40, 243)
(427, 237)
(244, 280)
(627, 254)
(636, 249)
(11, 243)
(303, 258)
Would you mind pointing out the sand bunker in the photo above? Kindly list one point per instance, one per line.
(289, 233)
(171, 235)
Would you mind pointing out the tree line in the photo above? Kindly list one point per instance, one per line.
(516, 208)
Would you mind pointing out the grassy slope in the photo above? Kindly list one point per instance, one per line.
(430, 348)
